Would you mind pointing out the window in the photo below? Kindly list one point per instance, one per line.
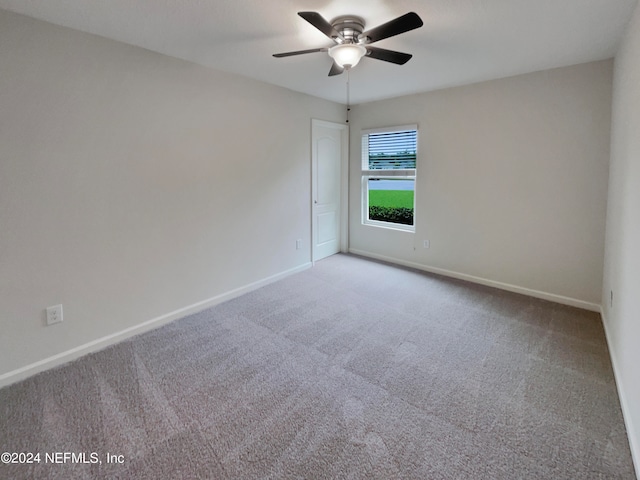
(389, 176)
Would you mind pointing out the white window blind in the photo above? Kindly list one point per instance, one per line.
(392, 150)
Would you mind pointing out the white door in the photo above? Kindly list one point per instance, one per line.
(328, 166)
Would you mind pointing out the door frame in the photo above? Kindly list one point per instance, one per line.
(344, 183)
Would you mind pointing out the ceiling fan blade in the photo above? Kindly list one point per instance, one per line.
(392, 56)
(300, 52)
(318, 21)
(335, 69)
(405, 23)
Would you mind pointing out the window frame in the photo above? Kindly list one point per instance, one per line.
(367, 174)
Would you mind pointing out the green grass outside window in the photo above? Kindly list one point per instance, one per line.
(394, 206)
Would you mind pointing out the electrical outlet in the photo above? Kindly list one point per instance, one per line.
(298, 244)
(426, 244)
(54, 314)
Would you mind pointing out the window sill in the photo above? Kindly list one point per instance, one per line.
(390, 226)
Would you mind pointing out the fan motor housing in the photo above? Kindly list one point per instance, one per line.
(349, 26)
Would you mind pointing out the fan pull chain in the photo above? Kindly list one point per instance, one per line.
(348, 100)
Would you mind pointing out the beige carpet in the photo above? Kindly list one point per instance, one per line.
(353, 369)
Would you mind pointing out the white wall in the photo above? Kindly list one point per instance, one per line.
(511, 183)
(622, 257)
(133, 184)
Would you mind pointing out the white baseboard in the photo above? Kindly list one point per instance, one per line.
(483, 281)
(632, 433)
(100, 343)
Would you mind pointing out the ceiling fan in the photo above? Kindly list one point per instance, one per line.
(352, 42)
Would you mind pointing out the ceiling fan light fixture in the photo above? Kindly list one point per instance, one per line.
(347, 55)
(351, 42)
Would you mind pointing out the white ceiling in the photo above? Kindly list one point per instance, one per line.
(461, 42)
